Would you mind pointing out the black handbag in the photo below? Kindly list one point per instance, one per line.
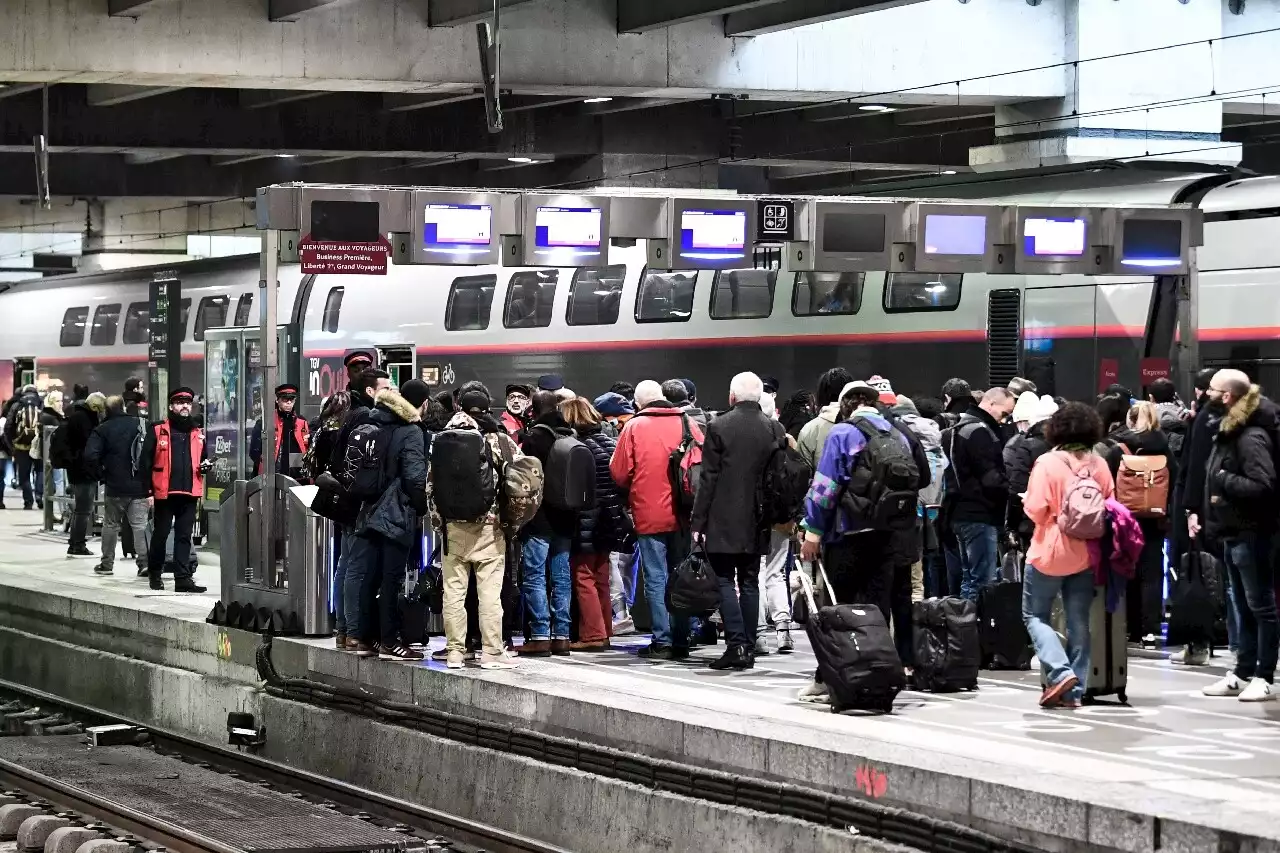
(1193, 604)
(694, 588)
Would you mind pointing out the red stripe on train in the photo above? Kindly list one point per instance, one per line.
(113, 359)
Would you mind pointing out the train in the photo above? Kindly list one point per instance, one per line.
(597, 326)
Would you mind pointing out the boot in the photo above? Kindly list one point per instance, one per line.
(156, 582)
(735, 657)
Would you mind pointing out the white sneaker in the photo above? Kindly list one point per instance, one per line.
(762, 645)
(785, 644)
(504, 660)
(455, 659)
(1190, 657)
(1257, 691)
(1228, 685)
(814, 692)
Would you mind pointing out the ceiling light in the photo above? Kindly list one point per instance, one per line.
(286, 155)
(948, 171)
(600, 100)
(519, 159)
(875, 108)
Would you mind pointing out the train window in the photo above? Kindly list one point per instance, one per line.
(211, 314)
(470, 302)
(530, 297)
(106, 319)
(184, 311)
(743, 294)
(665, 297)
(137, 323)
(73, 326)
(595, 296)
(243, 306)
(919, 291)
(827, 293)
(332, 309)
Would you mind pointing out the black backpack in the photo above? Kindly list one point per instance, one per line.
(784, 484)
(694, 589)
(60, 455)
(569, 475)
(464, 482)
(362, 471)
(884, 487)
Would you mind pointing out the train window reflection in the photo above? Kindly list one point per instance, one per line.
(819, 293)
(183, 313)
(743, 294)
(917, 291)
(106, 319)
(211, 314)
(73, 326)
(332, 309)
(243, 306)
(137, 324)
(595, 296)
(530, 297)
(470, 302)
(665, 297)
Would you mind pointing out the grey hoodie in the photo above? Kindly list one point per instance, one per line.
(813, 436)
(930, 436)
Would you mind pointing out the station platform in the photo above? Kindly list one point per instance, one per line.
(1171, 771)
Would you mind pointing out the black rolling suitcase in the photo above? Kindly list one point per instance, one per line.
(857, 660)
(946, 645)
(1002, 634)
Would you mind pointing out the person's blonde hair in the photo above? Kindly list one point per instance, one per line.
(579, 412)
(1143, 417)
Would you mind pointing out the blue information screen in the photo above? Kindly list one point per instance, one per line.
(567, 228)
(447, 225)
(713, 234)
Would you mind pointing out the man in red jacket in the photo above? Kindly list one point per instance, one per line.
(640, 466)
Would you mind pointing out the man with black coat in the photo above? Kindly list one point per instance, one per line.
(290, 435)
(135, 398)
(957, 399)
(1239, 511)
(114, 456)
(356, 363)
(173, 464)
(83, 418)
(978, 489)
(726, 518)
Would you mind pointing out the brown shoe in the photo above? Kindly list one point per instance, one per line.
(560, 648)
(353, 645)
(536, 649)
(1054, 692)
(341, 641)
(366, 650)
(589, 645)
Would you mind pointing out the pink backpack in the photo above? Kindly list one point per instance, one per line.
(1083, 514)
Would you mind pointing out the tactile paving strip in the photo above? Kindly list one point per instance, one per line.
(229, 810)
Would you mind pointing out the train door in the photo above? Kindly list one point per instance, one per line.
(24, 372)
(1059, 340)
(399, 360)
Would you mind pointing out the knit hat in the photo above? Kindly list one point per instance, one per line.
(474, 403)
(415, 392)
(1047, 408)
(905, 406)
(613, 405)
(690, 387)
(770, 384)
(886, 390)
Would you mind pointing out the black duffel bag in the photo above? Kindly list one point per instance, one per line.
(694, 589)
(1194, 601)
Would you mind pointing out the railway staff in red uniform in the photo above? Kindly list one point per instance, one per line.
(174, 454)
(292, 435)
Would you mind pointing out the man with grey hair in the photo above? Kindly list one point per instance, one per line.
(1238, 510)
(647, 393)
(976, 477)
(727, 519)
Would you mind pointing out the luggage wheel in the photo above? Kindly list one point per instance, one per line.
(1123, 696)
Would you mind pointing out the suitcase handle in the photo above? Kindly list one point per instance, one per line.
(807, 587)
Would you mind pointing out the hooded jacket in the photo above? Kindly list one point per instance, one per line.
(603, 528)
(640, 465)
(813, 436)
(1174, 420)
(1020, 455)
(109, 455)
(406, 459)
(1240, 481)
(538, 440)
(977, 465)
(83, 418)
(929, 434)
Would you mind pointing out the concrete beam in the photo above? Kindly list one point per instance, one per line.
(640, 16)
(292, 10)
(110, 94)
(455, 13)
(141, 158)
(14, 89)
(399, 103)
(132, 8)
(538, 103)
(800, 13)
(260, 99)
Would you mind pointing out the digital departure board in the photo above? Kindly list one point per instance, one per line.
(713, 234)
(567, 228)
(955, 234)
(853, 233)
(334, 220)
(1151, 243)
(457, 226)
(1054, 237)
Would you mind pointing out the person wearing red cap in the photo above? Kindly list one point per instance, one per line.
(175, 455)
(292, 435)
(356, 363)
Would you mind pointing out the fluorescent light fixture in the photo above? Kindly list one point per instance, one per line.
(601, 100)
(286, 156)
(875, 108)
(948, 171)
(1151, 262)
(519, 159)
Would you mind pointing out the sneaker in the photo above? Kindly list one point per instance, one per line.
(1190, 657)
(786, 645)
(734, 657)
(1228, 685)
(143, 571)
(762, 645)
(814, 692)
(1258, 690)
(79, 551)
(156, 583)
(2, 506)
(398, 652)
(453, 659)
(443, 654)
(102, 570)
(503, 660)
(188, 586)
(365, 650)
(1149, 641)
(1053, 694)
(589, 646)
(625, 625)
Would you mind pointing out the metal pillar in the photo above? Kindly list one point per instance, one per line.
(268, 287)
(1186, 347)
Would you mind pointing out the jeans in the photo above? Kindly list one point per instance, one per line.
(736, 601)
(375, 574)
(595, 608)
(621, 582)
(1038, 593)
(951, 572)
(345, 545)
(1248, 561)
(900, 605)
(176, 511)
(659, 554)
(977, 553)
(26, 474)
(118, 511)
(84, 494)
(4, 476)
(539, 555)
(775, 595)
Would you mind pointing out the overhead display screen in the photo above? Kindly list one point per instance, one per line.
(336, 221)
(567, 228)
(955, 234)
(713, 234)
(853, 233)
(461, 225)
(1152, 243)
(1054, 237)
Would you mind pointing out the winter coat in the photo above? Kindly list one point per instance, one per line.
(1240, 483)
(178, 458)
(291, 429)
(929, 434)
(1020, 455)
(1195, 460)
(513, 425)
(1174, 421)
(639, 465)
(538, 439)
(813, 436)
(81, 422)
(108, 457)
(602, 529)
(977, 466)
(50, 417)
(727, 508)
(405, 464)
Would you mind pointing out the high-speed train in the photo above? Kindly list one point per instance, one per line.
(597, 326)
